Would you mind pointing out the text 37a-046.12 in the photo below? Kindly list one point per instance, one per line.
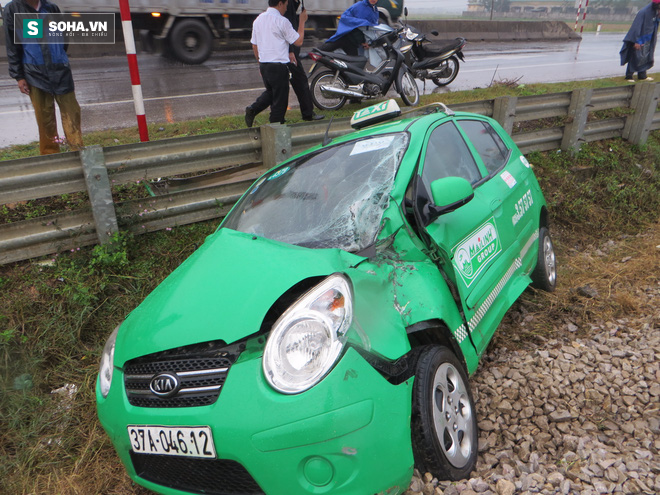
(196, 441)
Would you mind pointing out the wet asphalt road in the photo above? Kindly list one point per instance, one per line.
(229, 81)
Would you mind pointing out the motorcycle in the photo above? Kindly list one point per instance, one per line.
(347, 77)
(440, 66)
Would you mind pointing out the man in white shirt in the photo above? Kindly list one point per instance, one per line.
(272, 33)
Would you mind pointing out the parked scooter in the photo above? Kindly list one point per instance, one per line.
(440, 66)
(348, 77)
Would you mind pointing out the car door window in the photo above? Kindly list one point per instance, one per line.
(487, 142)
(447, 155)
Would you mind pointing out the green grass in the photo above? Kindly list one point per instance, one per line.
(56, 313)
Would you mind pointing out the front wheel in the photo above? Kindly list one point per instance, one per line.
(444, 419)
(409, 89)
(323, 99)
(449, 72)
(544, 276)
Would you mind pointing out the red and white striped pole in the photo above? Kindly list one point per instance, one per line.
(577, 15)
(584, 17)
(129, 41)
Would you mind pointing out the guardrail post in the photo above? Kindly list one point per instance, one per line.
(100, 194)
(504, 111)
(275, 144)
(645, 103)
(578, 111)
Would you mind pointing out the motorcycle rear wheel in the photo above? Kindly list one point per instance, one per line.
(326, 101)
(450, 71)
(409, 89)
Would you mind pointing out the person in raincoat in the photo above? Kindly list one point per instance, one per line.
(42, 72)
(639, 43)
(348, 37)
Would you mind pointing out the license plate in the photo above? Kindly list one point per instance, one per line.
(186, 441)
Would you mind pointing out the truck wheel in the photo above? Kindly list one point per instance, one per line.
(444, 419)
(191, 41)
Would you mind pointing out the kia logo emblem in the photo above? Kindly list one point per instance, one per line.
(165, 385)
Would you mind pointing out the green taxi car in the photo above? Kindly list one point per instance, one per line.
(320, 341)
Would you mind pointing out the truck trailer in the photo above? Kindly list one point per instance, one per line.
(187, 29)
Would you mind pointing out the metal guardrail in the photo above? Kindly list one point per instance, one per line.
(230, 161)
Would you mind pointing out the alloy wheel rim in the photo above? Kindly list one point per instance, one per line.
(550, 261)
(452, 415)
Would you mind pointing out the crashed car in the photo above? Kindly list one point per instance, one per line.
(321, 340)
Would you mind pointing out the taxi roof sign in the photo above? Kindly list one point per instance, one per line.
(375, 114)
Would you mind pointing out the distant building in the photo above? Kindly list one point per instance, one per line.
(548, 7)
(542, 6)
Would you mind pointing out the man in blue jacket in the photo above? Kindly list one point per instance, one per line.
(639, 44)
(348, 37)
(42, 71)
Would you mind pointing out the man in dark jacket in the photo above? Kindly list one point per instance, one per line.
(639, 44)
(42, 72)
(298, 75)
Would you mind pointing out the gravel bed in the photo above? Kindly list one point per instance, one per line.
(578, 416)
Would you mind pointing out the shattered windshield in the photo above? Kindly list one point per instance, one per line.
(334, 198)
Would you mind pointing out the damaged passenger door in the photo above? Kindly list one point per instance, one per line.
(464, 226)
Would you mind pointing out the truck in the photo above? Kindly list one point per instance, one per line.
(187, 29)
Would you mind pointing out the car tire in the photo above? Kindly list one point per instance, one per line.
(326, 102)
(544, 276)
(444, 420)
(191, 41)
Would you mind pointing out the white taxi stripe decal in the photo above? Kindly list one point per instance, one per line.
(461, 333)
(483, 309)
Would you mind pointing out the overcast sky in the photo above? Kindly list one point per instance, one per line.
(449, 6)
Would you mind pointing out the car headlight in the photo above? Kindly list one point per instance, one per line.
(107, 359)
(307, 339)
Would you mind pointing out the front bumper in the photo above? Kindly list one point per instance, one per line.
(349, 434)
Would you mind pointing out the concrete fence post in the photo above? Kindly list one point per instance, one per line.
(100, 194)
(504, 111)
(645, 103)
(578, 111)
(275, 144)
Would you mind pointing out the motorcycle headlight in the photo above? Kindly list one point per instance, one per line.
(308, 338)
(107, 366)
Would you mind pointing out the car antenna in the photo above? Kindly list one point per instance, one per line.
(326, 138)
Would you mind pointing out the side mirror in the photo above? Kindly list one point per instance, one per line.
(435, 33)
(449, 193)
(405, 11)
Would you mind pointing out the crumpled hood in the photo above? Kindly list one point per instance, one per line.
(223, 291)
